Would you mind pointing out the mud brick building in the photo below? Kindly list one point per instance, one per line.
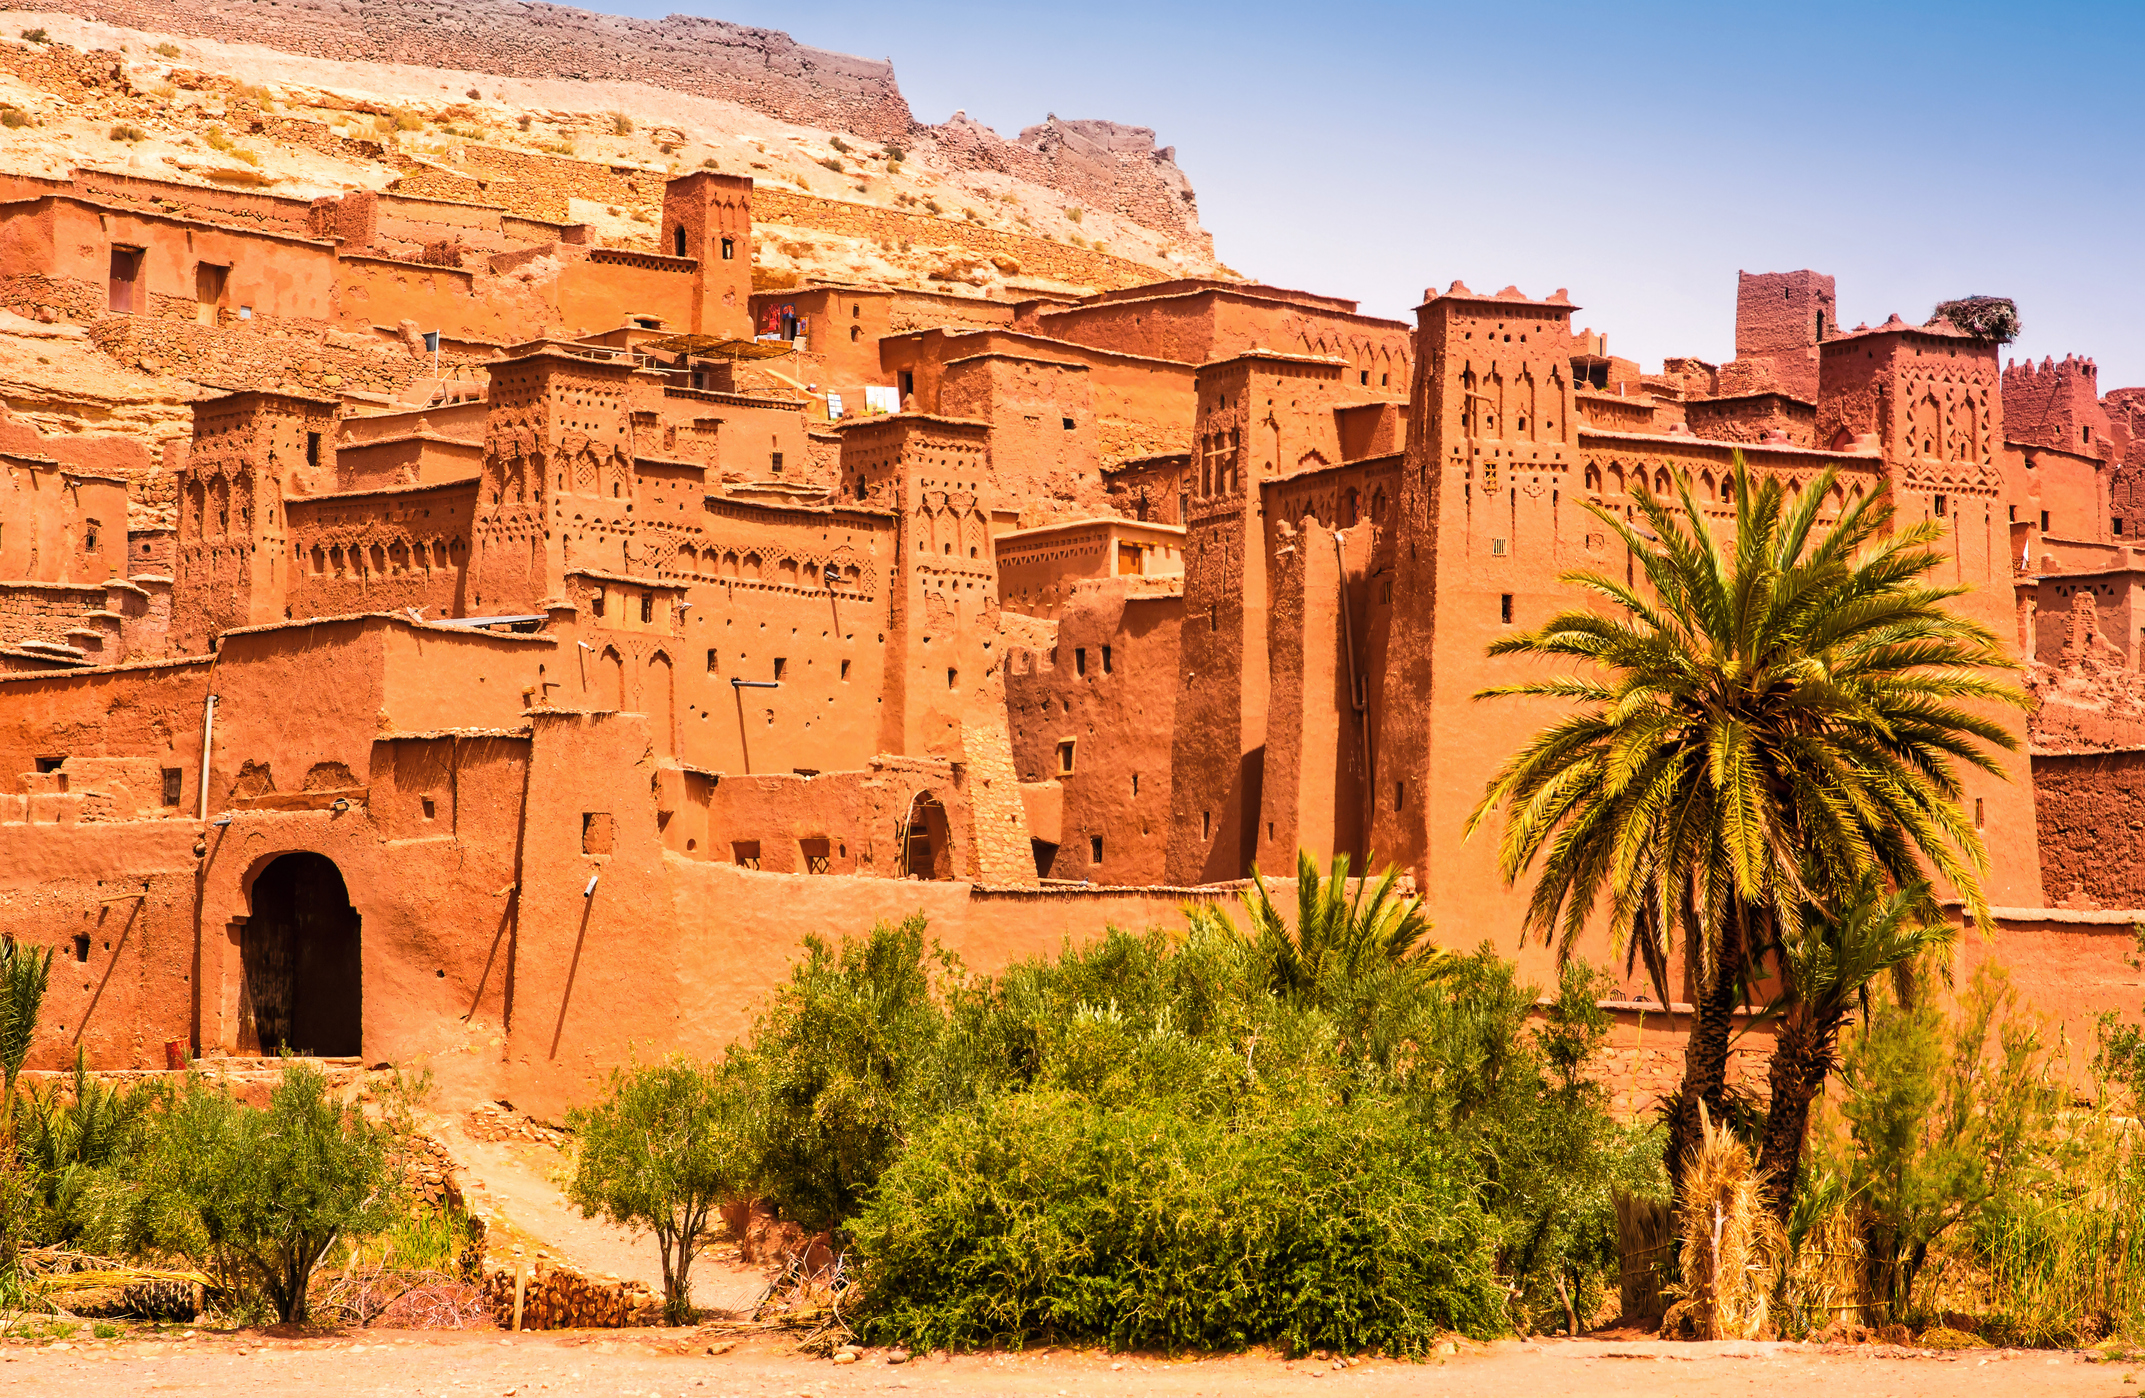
(558, 672)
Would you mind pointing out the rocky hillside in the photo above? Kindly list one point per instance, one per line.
(1099, 167)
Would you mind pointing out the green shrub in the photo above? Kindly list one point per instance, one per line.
(621, 124)
(36, 36)
(12, 116)
(274, 1189)
(124, 132)
(843, 1057)
(831, 163)
(1045, 1217)
(166, 49)
(874, 1067)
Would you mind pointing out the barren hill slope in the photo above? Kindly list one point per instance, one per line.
(1097, 165)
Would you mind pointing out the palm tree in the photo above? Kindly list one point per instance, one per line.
(1338, 940)
(24, 974)
(1761, 725)
(1828, 965)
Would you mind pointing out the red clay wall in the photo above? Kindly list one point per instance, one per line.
(1110, 688)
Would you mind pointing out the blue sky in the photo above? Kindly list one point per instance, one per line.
(1638, 154)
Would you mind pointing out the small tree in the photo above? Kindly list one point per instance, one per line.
(660, 1152)
(277, 1187)
(1829, 963)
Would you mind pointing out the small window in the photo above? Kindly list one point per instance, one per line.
(173, 777)
(595, 832)
(1400, 796)
(1106, 653)
(1496, 548)
(1206, 825)
(855, 333)
(729, 252)
(781, 664)
(745, 853)
(647, 608)
(1385, 591)
(817, 854)
(2013, 513)
(1135, 783)
(677, 240)
(908, 384)
(714, 665)
(431, 810)
(776, 463)
(1981, 813)
(1094, 849)
(1080, 660)
(2044, 521)
(953, 678)
(595, 603)
(51, 764)
(1065, 757)
(1068, 423)
(845, 671)
(81, 946)
(1504, 609)
(1940, 504)
(312, 449)
(2118, 523)
(1365, 378)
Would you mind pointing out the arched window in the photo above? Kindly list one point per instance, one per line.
(677, 239)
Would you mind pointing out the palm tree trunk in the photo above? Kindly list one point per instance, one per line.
(1705, 1068)
(1802, 1059)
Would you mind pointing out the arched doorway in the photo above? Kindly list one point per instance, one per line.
(301, 972)
(926, 841)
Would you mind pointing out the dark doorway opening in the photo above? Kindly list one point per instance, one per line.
(299, 955)
(927, 843)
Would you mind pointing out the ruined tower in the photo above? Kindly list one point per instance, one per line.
(1260, 415)
(1487, 510)
(1781, 317)
(708, 217)
(1930, 400)
(944, 685)
(233, 564)
(557, 487)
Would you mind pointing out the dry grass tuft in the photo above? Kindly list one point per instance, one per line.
(1732, 1244)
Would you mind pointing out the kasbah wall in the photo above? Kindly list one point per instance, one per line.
(537, 704)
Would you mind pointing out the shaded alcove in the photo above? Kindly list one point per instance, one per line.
(927, 841)
(300, 961)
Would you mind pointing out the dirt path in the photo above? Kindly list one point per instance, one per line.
(658, 1364)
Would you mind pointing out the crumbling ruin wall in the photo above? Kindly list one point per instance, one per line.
(2091, 809)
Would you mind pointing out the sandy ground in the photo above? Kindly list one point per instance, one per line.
(656, 1364)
